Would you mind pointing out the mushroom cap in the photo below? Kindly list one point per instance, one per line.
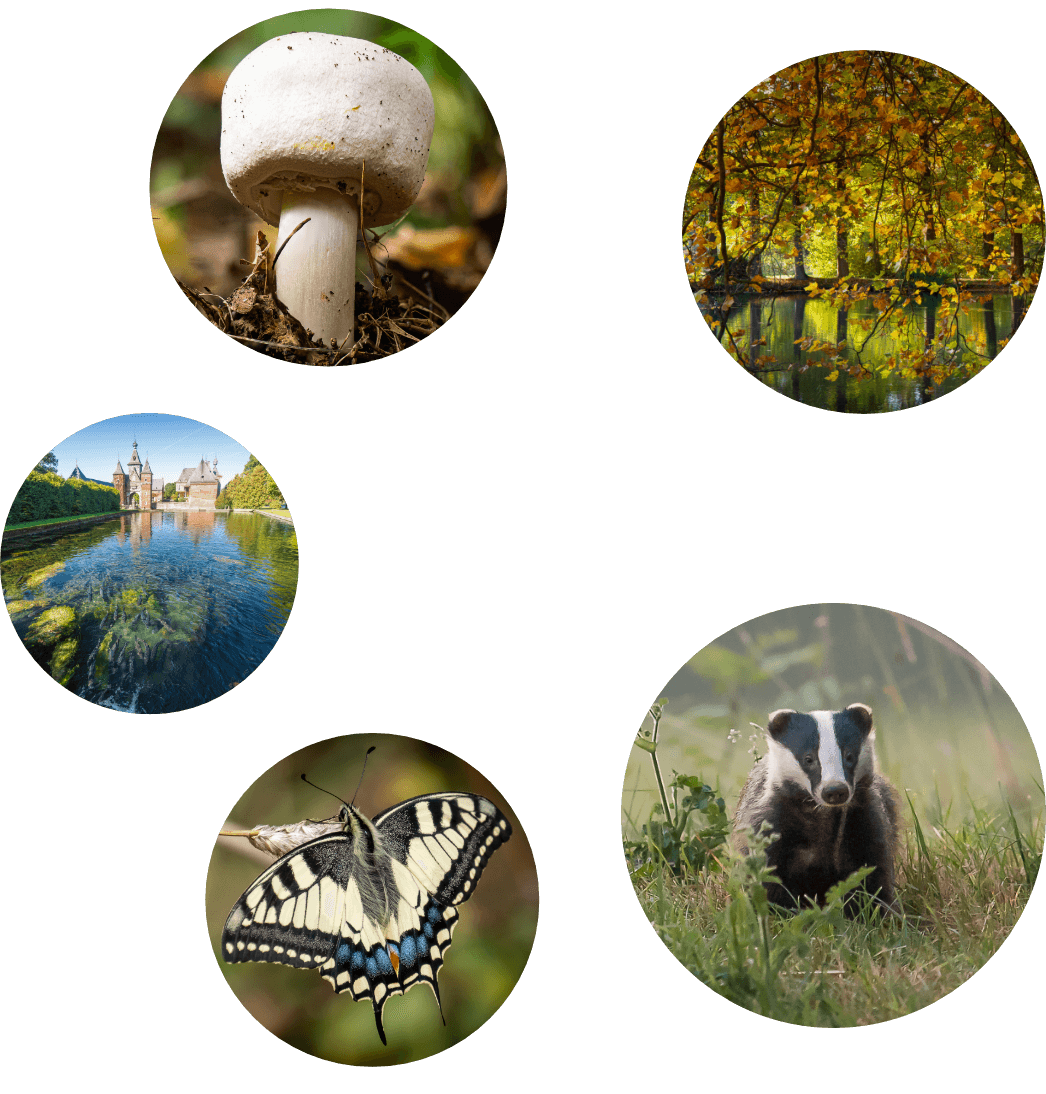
(307, 111)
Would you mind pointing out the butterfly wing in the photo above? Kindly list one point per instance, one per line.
(292, 914)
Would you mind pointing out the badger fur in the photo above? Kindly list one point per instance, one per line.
(819, 789)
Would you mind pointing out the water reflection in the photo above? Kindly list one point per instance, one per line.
(794, 344)
(154, 611)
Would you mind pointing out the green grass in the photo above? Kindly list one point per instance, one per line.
(60, 520)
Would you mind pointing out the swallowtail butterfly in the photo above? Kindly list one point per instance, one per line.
(374, 904)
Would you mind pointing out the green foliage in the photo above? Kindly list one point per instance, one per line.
(170, 489)
(252, 488)
(48, 463)
(46, 495)
(686, 841)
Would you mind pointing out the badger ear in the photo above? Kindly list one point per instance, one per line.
(779, 722)
(862, 715)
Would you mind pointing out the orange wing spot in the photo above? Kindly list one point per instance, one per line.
(395, 959)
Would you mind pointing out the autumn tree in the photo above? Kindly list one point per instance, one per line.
(865, 160)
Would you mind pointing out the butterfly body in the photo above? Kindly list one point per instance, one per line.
(372, 906)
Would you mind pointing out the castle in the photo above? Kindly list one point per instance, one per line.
(198, 487)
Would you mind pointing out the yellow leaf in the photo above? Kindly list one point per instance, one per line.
(834, 375)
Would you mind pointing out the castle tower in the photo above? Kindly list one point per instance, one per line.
(134, 464)
(134, 477)
(146, 496)
(119, 481)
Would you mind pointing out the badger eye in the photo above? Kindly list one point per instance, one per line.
(849, 757)
(808, 760)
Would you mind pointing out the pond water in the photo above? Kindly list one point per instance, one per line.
(156, 611)
(781, 341)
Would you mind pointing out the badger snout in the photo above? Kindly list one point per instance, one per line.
(835, 793)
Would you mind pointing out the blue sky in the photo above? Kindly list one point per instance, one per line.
(169, 443)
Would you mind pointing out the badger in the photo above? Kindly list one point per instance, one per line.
(819, 790)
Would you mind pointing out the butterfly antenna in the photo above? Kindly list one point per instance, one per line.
(304, 779)
(364, 771)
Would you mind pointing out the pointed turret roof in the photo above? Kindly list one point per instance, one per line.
(147, 467)
(119, 469)
(203, 474)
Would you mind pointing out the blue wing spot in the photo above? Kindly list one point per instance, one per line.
(372, 968)
(357, 961)
(383, 962)
(408, 950)
(434, 914)
(342, 953)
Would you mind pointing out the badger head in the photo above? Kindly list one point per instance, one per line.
(825, 752)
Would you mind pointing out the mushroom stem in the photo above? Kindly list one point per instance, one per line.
(316, 271)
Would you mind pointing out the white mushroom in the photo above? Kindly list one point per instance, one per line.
(317, 127)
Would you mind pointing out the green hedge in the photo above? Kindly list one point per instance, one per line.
(252, 488)
(44, 495)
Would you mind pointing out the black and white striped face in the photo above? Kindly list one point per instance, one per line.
(824, 752)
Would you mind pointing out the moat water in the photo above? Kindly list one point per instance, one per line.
(154, 612)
